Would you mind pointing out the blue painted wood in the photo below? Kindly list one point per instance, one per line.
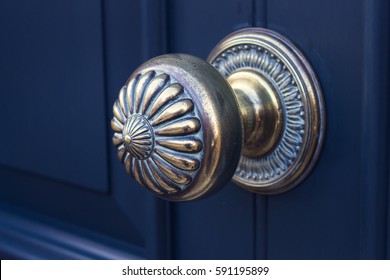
(260, 13)
(341, 211)
(93, 61)
(158, 234)
(52, 91)
(93, 211)
(222, 226)
(134, 32)
(320, 218)
(375, 131)
(337, 213)
(219, 227)
(27, 236)
(388, 222)
(197, 26)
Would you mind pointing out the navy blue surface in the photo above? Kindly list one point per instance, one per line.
(52, 90)
(340, 207)
(62, 64)
(222, 226)
(47, 238)
(321, 215)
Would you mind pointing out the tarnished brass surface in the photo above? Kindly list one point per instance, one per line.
(177, 127)
(184, 128)
(260, 109)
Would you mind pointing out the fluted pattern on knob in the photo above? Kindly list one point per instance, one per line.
(157, 132)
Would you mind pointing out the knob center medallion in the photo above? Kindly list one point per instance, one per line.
(138, 137)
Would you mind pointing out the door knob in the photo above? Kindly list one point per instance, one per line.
(253, 113)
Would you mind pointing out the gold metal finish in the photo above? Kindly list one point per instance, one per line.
(260, 109)
(170, 127)
(294, 84)
(183, 128)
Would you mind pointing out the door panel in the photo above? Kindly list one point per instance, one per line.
(53, 91)
(331, 214)
(213, 22)
(205, 229)
(319, 218)
(54, 83)
(62, 66)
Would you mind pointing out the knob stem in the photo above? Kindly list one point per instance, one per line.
(260, 109)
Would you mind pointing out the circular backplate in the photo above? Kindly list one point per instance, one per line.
(276, 59)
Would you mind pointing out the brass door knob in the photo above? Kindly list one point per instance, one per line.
(253, 112)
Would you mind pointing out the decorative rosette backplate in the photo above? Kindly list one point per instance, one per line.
(295, 121)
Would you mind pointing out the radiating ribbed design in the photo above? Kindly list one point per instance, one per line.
(157, 132)
(289, 149)
(137, 137)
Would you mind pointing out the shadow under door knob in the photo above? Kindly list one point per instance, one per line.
(253, 112)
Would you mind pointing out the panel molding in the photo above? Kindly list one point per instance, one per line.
(375, 131)
(320, 219)
(51, 82)
(221, 226)
(35, 238)
(155, 31)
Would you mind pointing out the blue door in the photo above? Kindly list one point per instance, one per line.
(64, 194)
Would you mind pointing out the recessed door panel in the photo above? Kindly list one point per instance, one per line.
(52, 90)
